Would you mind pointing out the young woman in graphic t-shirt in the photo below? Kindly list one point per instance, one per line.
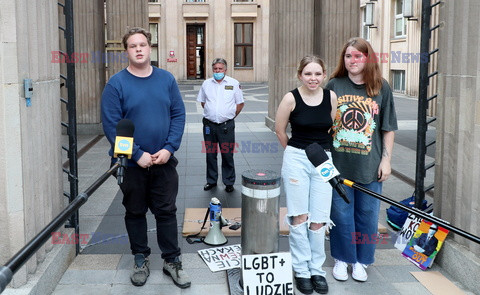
(363, 134)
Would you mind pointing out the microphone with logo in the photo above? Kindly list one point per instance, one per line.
(319, 158)
(123, 146)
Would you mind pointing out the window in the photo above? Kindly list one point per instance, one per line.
(243, 45)
(365, 28)
(400, 25)
(398, 79)
(152, 0)
(194, 0)
(154, 31)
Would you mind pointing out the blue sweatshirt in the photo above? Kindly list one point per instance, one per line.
(152, 103)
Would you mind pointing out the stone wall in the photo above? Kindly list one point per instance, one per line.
(457, 178)
(30, 138)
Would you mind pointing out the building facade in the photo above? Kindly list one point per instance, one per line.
(393, 29)
(189, 34)
(186, 36)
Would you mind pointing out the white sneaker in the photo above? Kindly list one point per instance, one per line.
(358, 272)
(340, 270)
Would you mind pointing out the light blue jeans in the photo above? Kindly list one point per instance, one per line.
(354, 236)
(306, 194)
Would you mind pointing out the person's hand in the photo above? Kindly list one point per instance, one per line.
(145, 160)
(161, 157)
(384, 170)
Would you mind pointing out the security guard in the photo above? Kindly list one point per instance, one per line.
(222, 100)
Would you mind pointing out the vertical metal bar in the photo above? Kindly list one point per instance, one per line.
(72, 114)
(422, 106)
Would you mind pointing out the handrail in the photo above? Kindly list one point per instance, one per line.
(11, 267)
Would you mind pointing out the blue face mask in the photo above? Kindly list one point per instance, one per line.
(218, 76)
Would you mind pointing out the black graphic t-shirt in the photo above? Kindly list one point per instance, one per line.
(358, 126)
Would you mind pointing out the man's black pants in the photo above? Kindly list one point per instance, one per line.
(219, 138)
(153, 188)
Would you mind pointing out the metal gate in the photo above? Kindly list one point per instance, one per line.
(71, 124)
(423, 104)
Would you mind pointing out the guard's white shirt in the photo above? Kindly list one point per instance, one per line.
(220, 99)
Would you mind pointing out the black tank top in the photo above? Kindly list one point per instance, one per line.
(311, 123)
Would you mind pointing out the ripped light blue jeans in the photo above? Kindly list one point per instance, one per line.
(306, 194)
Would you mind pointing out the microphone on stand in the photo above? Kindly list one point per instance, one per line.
(319, 158)
(123, 146)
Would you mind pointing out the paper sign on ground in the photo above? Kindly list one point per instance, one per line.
(409, 228)
(267, 274)
(222, 258)
(425, 244)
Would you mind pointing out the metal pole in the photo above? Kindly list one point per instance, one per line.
(415, 211)
(12, 266)
(72, 114)
(260, 209)
(420, 171)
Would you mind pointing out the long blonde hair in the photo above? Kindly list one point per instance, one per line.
(371, 73)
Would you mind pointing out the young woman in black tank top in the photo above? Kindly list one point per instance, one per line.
(310, 111)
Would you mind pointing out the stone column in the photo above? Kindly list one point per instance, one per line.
(122, 15)
(457, 173)
(30, 138)
(89, 28)
(291, 37)
(335, 23)
(301, 27)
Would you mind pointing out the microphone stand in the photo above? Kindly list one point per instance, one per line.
(122, 160)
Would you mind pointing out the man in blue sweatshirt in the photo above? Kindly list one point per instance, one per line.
(150, 98)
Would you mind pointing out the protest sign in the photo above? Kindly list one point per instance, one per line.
(222, 258)
(267, 274)
(409, 228)
(425, 244)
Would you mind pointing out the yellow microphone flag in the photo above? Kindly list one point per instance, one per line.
(123, 146)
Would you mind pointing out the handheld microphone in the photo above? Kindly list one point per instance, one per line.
(123, 146)
(319, 158)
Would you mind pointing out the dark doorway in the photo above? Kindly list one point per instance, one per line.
(195, 51)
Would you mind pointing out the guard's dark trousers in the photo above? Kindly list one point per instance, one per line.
(219, 138)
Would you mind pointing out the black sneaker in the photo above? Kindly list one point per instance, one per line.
(175, 270)
(304, 285)
(320, 284)
(140, 270)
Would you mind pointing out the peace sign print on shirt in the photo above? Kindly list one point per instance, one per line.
(354, 124)
(354, 119)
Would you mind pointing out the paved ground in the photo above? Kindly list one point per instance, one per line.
(104, 264)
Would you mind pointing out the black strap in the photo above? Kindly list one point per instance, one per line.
(198, 240)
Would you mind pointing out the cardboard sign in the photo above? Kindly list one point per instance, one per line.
(194, 218)
(437, 283)
(267, 274)
(222, 258)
